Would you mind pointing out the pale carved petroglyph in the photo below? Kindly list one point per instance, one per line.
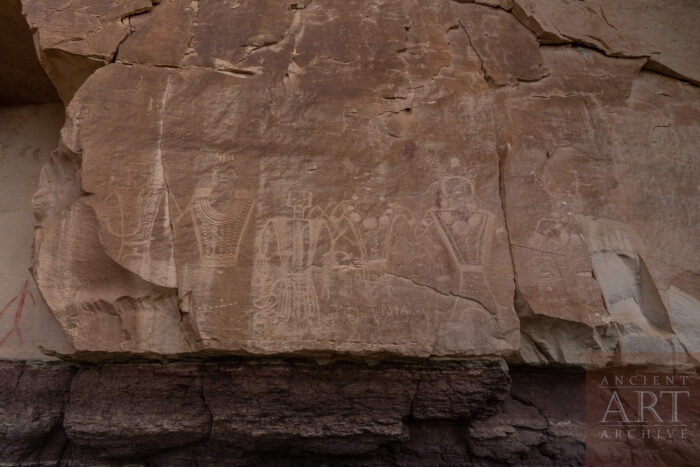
(134, 231)
(546, 276)
(357, 243)
(554, 242)
(367, 238)
(555, 252)
(214, 223)
(219, 230)
(18, 301)
(220, 213)
(372, 241)
(345, 265)
(288, 248)
(467, 232)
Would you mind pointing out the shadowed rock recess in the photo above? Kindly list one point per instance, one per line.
(361, 232)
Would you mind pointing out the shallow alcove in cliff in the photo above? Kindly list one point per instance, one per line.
(31, 116)
(22, 80)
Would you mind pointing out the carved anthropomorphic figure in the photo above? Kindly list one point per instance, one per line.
(558, 243)
(364, 238)
(132, 223)
(220, 214)
(547, 278)
(466, 232)
(288, 249)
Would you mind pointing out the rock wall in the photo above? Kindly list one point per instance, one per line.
(289, 413)
(387, 232)
(28, 134)
(454, 179)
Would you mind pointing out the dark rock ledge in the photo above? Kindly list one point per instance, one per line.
(255, 412)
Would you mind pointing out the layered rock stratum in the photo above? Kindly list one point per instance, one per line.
(485, 183)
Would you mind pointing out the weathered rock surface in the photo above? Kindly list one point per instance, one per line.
(286, 413)
(580, 226)
(276, 179)
(76, 38)
(28, 134)
(22, 81)
(663, 32)
(32, 399)
(328, 205)
(295, 412)
(163, 408)
(542, 422)
(370, 178)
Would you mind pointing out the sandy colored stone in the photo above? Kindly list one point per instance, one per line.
(208, 34)
(27, 135)
(102, 306)
(665, 32)
(682, 310)
(594, 203)
(490, 29)
(280, 177)
(321, 202)
(74, 38)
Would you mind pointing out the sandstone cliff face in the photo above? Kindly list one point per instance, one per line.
(454, 179)
(335, 224)
(371, 178)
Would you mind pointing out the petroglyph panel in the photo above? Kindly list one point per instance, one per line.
(27, 136)
(602, 203)
(129, 185)
(134, 230)
(328, 176)
(292, 217)
(340, 273)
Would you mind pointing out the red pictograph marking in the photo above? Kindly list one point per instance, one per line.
(20, 299)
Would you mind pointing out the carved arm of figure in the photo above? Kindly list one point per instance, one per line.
(263, 281)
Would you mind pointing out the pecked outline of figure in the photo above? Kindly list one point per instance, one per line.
(552, 235)
(560, 241)
(466, 231)
(219, 232)
(545, 272)
(346, 238)
(350, 239)
(136, 230)
(377, 265)
(287, 248)
(353, 250)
